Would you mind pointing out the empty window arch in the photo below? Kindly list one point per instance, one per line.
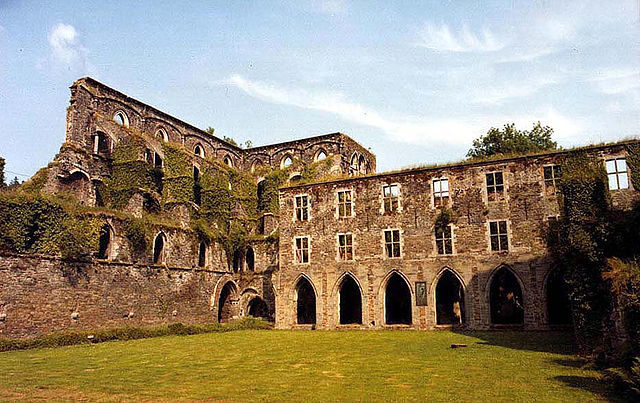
(397, 301)
(228, 161)
(350, 301)
(256, 165)
(558, 303)
(227, 303)
(162, 135)
(105, 242)
(250, 259)
(198, 150)
(258, 309)
(353, 165)
(286, 162)
(238, 258)
(202, 254)
(305, 302)
(121, 118)
(505, 296)
(449, 299)
(101, 144)
(321, 155)
(362, 165)
(158, 249)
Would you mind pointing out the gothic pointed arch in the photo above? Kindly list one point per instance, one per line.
(506, 297)
(397, 300)
(557, 298)
(305, 299)
(449, 298)
(349, 299)
(228, 302)
(159, 248)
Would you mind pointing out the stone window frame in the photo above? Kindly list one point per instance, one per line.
(338, 203)
(354, 168)
(162, 134)
(320, 153)
(383, 209)
(399, 242)
(283, 161)
(507, 234)
(617, 173)
(123, 115)
(551, 184)
(200, 154)
(503, 194)
(296, 207)
(434, 196)
(346, 247)
(228, 161)
(451, 238)
(296, 251)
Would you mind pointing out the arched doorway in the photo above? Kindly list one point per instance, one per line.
(227, 303)
(350, 302)
(249, 258)
(558, 304)
(505, 298)
(104, 243)
(305, 302)
(258, 309)
(237, 260)
(449, 300)
(158, 249)
(397, 301)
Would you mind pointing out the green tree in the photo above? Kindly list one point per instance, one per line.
(210, 130)
(14, 182)
(3, 184)
(230, 140)
(511, 141)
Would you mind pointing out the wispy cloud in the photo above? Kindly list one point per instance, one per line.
(417, 130)
(440, 38)
(617, 80)
(497, 94)
(67, 51)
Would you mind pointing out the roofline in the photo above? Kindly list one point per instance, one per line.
(319, 136)
(406, 171)
(158, 111)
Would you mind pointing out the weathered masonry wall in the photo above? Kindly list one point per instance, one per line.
(41, 295)
(527, 207)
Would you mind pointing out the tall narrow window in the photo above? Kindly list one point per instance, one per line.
(202, 254)
(552, 175)
(440, 192)
(345, 246)
(345, 203)
(158, 249)
(495, 186)
(157, 160)
(228, 161)
(302, 249)
(392, 242)
(617, 173)
(444, 240)
(302, 207)
(499, 238)
(391, 198)
(197, 188)
(353, 166)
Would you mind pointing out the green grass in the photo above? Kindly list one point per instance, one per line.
(250, 365)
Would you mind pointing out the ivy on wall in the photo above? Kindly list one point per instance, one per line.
(633, 161)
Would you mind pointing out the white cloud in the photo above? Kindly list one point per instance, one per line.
(617, 80)
(423, 130)
(66, 48)
(442, 39)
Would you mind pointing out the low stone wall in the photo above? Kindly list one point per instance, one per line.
(40, 295)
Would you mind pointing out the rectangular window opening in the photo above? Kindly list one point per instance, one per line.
(391, 198)
(498, 234)
(392, 243)
(495, 186)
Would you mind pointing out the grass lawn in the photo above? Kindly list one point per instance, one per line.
(254, 365)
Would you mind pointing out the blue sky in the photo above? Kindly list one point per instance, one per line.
(414, 80)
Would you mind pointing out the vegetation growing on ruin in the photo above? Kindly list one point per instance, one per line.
(633, 162)
(510, 141)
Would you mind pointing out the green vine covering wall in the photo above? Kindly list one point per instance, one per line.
(633, 161)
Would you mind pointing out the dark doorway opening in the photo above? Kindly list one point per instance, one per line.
(202, 254)
(558, 304)
(227, 303)
(157, 160)
(305, 302)
(237, 260)
(259, 309)
(350, 302)
(158, 249)
(104, 243)
(449, 300)
(250, 258)
(397, 301)
(506, 299)
(197, 189)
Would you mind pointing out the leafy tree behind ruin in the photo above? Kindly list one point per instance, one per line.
(511, 141)
(2, 182)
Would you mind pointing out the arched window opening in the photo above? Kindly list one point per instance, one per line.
(259, 309)
(286, 162)
(262, 204)
(148, 156)
(158, 249)
(104, 243)
(202, 255)
(295, 178)
(321, 155)
(102, 144)
(350, 302)
(305, 303)
(78, 184)
(362, 165)
(228, 161)
(162, 135)
(250, 259)
(558, 304)
(449, 300)
(353, 165)
(397, 301)
(199, 151)
(506, 299)
(256, 165)
(227, 303)
(197, 188)
(237, 260)
(121, 118)
(157, 161)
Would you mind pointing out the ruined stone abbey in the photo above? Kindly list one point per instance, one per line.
(304, 233)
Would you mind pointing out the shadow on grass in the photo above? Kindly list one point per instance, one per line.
(572, 362)
(591, 384)
(547, 342)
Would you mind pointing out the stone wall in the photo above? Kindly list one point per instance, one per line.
(526, 208)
